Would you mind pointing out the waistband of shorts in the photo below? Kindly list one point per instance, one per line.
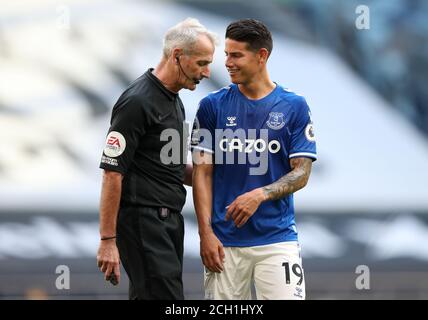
(153, 208)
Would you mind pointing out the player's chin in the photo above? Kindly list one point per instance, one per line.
(235, 79)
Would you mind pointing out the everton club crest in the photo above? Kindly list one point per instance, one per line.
(276, 120)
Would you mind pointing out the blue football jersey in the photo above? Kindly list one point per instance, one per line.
(252, 142)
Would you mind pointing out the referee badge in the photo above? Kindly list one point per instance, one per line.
(115, 144)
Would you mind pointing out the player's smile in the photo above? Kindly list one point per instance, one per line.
(233, 71)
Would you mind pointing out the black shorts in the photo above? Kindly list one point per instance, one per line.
(150, 245)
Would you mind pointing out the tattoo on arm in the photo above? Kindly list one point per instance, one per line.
(292, 181)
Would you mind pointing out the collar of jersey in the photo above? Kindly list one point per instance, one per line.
(257, 101)
(171, 95)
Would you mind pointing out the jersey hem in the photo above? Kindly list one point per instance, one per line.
(115, 169)
(258, 243)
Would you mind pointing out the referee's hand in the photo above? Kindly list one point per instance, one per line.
(212, 252)
(108, 260)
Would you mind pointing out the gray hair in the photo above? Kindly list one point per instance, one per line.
(185, 35)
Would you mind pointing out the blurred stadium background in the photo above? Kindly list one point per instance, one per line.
(64, 63)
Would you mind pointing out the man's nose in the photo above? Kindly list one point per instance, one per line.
(228, 62)
(206, 72)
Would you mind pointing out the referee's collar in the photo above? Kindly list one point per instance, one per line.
(171, 95)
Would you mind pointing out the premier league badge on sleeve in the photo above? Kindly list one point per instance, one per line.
(276, 120)
(309, 132)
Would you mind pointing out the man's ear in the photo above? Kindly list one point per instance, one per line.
(264, 55)
(176, 53)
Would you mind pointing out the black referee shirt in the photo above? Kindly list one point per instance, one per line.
(133, 146)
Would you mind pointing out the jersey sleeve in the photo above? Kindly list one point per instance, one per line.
(302, 135)
(204, 127)
(127, 126)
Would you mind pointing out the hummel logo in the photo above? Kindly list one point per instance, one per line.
(231, 122)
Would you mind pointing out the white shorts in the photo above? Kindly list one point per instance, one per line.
(276, 270)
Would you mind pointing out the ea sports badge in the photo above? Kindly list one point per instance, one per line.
(115, 144)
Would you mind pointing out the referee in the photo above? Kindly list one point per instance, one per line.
(142, 195)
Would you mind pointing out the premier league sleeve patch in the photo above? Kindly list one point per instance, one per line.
(115, 144)
(309, 132)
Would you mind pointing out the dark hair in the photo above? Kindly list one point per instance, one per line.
(251, 31)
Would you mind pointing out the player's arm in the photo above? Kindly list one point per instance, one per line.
(212, 253)
(108, 254)
(244, 206)
(295, 180)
